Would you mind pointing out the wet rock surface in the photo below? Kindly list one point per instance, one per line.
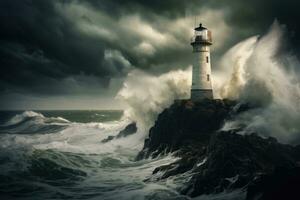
(220, 161)
(185, 123)
(128, 130)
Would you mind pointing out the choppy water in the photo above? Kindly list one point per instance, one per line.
(59, 155)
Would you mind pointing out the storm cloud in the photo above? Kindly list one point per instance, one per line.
(76, 47)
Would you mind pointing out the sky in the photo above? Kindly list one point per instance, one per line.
(76, 54)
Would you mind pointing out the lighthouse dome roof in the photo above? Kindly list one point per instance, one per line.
(200, 28)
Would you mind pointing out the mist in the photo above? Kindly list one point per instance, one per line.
(266, 76)
(145, 95)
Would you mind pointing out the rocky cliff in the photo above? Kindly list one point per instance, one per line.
(221, 160)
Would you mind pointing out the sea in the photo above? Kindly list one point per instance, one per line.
(59, 155)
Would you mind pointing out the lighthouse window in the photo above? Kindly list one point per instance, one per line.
(207, 77)
(207, 59)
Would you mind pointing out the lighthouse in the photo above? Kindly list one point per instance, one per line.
(201, 75)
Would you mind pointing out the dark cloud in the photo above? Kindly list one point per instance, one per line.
(45, 44)
(37, 42)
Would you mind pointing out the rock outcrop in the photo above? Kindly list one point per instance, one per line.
(219, 160)
(128, 130)
(185, 123)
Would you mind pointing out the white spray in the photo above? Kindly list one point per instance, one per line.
(147, 95)
(259, 76)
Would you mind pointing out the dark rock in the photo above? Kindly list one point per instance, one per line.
(109, 138)
(281, 184)
(181, 166)
(184, 123)
(218, 160)
(297, 152)
(128, 130)
(231, 155)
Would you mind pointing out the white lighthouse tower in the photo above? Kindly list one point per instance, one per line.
(201, 78)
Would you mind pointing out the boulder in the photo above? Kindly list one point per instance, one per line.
(128, 130)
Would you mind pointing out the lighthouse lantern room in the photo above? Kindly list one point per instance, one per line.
(201, 75)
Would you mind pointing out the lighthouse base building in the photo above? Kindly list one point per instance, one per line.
(201, 74)
(201, 94)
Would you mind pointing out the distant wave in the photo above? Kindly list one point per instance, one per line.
(21, 117)
(33, 122)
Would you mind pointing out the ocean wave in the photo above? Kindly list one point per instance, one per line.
(30, 122)
(38, 117)
(25, 171)
(21, 117)
(52, 174)
(55, 165)
(73, 163)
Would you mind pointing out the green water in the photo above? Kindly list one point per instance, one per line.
(45, 157)
(85, 116)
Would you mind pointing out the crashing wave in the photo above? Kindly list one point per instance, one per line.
(33, 122)
(21, 117)
(34, 116)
